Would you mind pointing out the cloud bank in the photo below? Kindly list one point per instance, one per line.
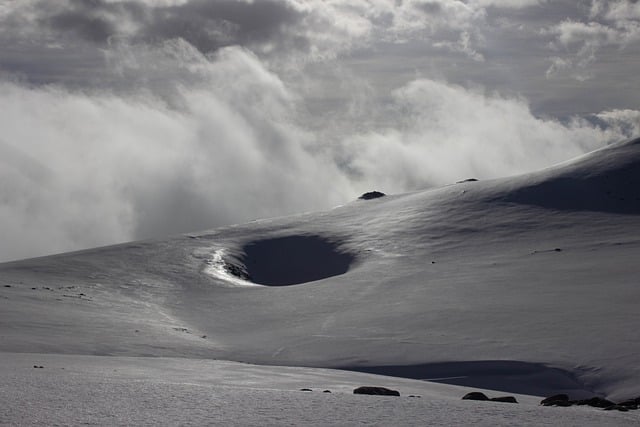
(132, 119)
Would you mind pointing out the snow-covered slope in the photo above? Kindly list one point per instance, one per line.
(109, 391)
(526, 284)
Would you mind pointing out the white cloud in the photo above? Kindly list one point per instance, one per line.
(450, 133)
(623, 122)
(107, 168)
(147, 131)
(81, 169)
(463, 45)
(617, 10)
(612, 24)
(570, 32)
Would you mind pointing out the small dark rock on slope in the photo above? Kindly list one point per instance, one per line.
(371, 195)
(378, 391)
(475, 395)
(596, 402)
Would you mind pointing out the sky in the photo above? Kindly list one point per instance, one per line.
(136, 119)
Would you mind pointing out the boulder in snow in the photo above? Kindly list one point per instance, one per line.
(371, 195)
(556, 400)
(475, 395)
(505, 399)
(379, 391)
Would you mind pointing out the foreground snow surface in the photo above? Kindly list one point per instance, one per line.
(524, 285)
(100, 390)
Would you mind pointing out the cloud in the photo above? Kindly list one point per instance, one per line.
(105, 168)
(508, 4)
(87, 168)
(611, 24)
(298, 30)
(146, 124)
(206, 25)
(450, 132)
(621, 122)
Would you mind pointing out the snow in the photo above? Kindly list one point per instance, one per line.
(525, 285)
(99, 390)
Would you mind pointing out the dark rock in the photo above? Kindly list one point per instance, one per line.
(326, 391)
(371, 195)
(305, 389)
(475, 395)
(7, 286)
(467, 180)
(379, 391)
(596, 402)
(237, 271)
(616, 408)
(631, 404)
(416, 396)
(555, 400)
(506, 399)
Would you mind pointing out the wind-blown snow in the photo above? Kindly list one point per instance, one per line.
(524, 284)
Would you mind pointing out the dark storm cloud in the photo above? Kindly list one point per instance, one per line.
(207, 25)
(210, 25)
(92, 20)
(94, 29)
(70, 42)
(430, 7)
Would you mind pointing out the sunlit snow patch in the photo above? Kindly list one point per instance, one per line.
(218, 267)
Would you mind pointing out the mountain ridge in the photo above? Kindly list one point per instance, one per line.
(463, 274)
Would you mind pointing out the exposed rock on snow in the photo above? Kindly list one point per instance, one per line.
(238, 271)
(596, 402)
(631, 403)
(505, 399)
(558, 399)
(616, 408)
(378, 391)
(475, 395)
(371, 195)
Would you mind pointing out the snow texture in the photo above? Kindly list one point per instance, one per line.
(524, 285)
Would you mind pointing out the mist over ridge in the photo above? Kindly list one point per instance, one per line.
(133, 119)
